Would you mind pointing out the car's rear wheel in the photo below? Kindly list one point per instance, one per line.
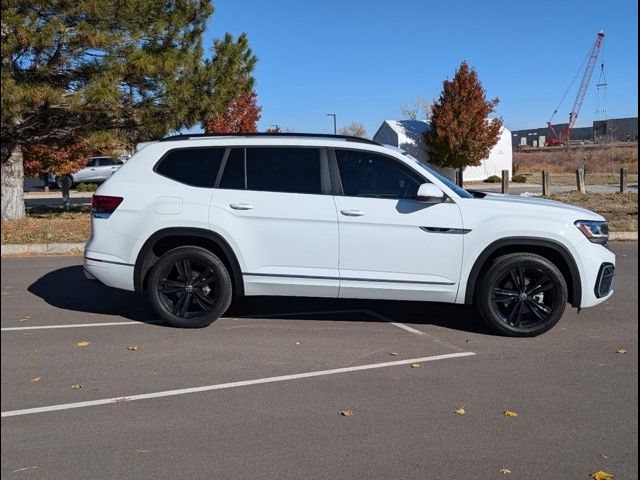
(189, 287)
(522, 295)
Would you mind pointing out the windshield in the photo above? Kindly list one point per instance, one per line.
(461, 192)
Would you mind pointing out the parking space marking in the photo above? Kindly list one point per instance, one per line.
(73, 325)
(222, 386)
(367, 312)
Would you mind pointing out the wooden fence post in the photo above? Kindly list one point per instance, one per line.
(505, 181)
(624, 179)
(546, 190)
(580, 181)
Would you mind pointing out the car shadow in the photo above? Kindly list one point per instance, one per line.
(68, 289)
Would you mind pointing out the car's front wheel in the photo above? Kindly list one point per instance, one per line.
(521, 295)
(189, 287)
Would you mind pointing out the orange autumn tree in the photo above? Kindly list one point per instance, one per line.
(59, 158)
(241, 115)
(460, 134)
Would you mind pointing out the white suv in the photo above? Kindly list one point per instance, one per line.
(196, 221)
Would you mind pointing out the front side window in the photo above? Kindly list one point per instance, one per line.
(105, 162)
(197, 167)
(291, 170)
(365, 174)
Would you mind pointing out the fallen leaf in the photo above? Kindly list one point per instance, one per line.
(510, 413)
(415, 365)
(346, 413)
(460, 411)
(622, 351)
(141, 451)
(77, 386)
(393, 354)
(133, 348)
(296, 343)
(83, 344)
(122, 399)
(35, 379)
(24, 318)
(504, 471)
(23, 469)
(602, 476)
(604, 456)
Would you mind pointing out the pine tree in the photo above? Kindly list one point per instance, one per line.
(131, 68)
(460, 133)
(229, 84)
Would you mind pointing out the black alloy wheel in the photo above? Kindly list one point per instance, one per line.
(189, 287)
(522, 295)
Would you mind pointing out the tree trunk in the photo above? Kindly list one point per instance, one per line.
(12, 182)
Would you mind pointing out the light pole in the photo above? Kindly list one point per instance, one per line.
(335, 130)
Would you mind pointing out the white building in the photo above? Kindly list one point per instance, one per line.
(408, 135)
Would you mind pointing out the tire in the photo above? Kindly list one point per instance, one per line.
(189, 287)
(521, 295)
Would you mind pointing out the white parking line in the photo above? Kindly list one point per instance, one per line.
(222, 386)
(367, 312)
(72, 325)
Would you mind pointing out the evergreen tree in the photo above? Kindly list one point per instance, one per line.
(460, 133)
(228, 83)
(70, 70)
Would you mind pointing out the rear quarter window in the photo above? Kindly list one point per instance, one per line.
(197, 167)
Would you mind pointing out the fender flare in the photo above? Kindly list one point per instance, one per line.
(558, 247)
(144, 261)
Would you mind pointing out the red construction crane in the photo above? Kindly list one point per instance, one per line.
(565, 135)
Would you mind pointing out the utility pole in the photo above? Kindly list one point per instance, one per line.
(335, 129)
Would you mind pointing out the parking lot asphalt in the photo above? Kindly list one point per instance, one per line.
(277, 372)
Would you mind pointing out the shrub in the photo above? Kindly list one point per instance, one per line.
(519, 179)
(493, 179)
(87, 187)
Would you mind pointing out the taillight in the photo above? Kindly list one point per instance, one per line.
(102, 206)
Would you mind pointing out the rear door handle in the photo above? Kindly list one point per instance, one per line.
(241, 206)
(352, 213)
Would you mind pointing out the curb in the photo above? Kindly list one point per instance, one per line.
(623, 236)
(42, 248)
(69, 248)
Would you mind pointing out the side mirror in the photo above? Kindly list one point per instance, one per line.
(429, 193)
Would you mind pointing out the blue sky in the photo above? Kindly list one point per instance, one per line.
(363, 59)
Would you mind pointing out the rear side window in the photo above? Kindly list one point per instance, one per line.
(233, 175)
(365, 174)
(193, 166)
(291, 170)
(105, 162)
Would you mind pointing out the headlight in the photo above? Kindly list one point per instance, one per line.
(595, 231)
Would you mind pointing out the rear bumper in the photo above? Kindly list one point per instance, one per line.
(113, 272)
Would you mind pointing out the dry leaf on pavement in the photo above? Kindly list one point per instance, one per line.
(296, 343)
(622, 351)
(415, 365)
(77, 386)
(23, 469)
(133, 348)
(393, 354)
(504, 471)
(121, 399)
(460, 411)
(602, 476)
(24, 318)
(83, 344)
(346, 413)
(510, 413)
(35, 379)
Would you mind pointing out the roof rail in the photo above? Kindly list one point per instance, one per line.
(347, 138)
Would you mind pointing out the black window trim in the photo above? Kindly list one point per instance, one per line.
(165, 154)
(325, 167)
(336, 180)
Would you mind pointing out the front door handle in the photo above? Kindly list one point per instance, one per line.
(352, 213)
(241, 206)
